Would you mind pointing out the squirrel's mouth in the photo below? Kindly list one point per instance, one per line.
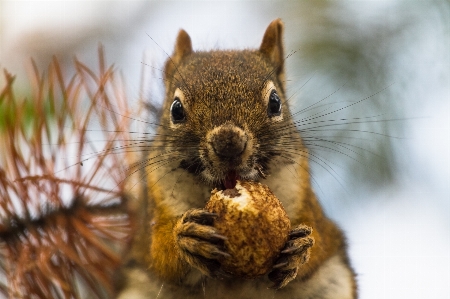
(230, 179)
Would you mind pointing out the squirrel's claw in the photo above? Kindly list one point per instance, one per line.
(300, 231)
(199, 216)
(295, 253)
(200, 245)
(282, 278)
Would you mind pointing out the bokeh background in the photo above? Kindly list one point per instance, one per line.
(389, 189)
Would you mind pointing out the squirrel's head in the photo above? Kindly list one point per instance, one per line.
(227, 109)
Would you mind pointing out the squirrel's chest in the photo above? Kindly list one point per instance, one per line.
(177, 190)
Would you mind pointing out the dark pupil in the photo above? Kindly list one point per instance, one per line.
(177, 110)
(274, 108)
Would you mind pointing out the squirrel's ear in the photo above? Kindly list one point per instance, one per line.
(272, 45)
(183, 47)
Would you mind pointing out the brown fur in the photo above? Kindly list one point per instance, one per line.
(222, 95)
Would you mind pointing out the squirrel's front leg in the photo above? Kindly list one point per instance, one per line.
(182, 243)
(198, 241)
(294, 254)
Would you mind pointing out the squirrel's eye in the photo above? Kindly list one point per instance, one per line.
(274, 107)
(177, 111)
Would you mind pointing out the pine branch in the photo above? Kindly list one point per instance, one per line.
(64, 221)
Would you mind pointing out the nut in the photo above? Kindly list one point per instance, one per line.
(255, 224)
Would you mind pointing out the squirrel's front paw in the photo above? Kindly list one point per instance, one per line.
(293, 255)
(199, 243)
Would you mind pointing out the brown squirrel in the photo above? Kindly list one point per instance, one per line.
(225, 117)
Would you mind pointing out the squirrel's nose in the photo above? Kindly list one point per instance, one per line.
(228, 141)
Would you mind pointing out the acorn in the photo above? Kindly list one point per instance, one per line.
(255, 224)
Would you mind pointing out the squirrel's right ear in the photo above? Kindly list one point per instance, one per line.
(272, 45)
(183, 47)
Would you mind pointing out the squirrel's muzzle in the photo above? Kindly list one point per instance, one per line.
(228, 142)
(228, 155)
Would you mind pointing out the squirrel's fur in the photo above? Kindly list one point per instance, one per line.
(225, 131)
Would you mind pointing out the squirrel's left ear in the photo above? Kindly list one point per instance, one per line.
(272, 46)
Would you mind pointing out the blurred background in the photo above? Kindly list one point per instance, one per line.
(385, 174)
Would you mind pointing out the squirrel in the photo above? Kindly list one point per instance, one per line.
(225, 117)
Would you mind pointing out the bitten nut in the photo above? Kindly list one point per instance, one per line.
(255, 224)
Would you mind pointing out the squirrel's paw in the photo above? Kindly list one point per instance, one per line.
(199, 243)
(293, 255)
